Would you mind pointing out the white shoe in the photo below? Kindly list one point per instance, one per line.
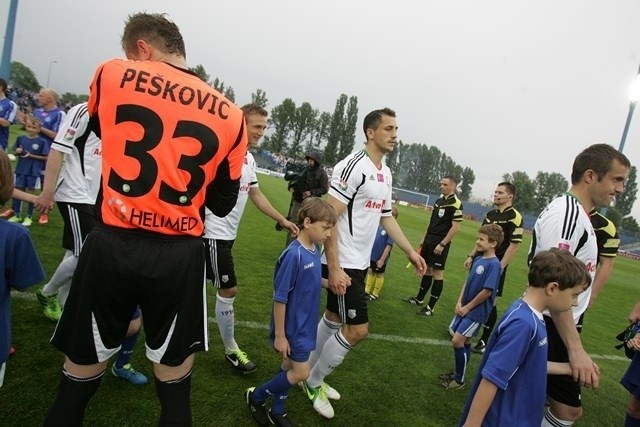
(319, 399)
(331, 392)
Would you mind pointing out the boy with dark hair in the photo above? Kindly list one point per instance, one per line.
(475, 302)
(296, 307)
(510, 386)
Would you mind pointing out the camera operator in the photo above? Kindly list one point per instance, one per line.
(311, 181)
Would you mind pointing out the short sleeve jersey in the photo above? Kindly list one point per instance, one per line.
(30, 166)
(298, 284)
(515, 360)
(564, 224)
(226, 228)
(7, 112)
(166, 136)
(484, 274)
(380, 243)
(446, 210)
(366, 190)
(510, 221)
(20, 269)
(606, 234)
(49, 119)
(79, 179)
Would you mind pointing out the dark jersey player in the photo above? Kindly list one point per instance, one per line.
(608, 244)
(445, 221)
(510, 220)
(170, 145)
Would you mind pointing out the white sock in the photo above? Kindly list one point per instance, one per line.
(550, 420)
(63, 293)
(326, 329)
(332, 355)
(226, 319)
(62, 275)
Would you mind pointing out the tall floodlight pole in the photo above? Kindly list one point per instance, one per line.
(5, 62)
(634, 97)
(49, 72)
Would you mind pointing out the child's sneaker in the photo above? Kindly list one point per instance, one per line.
(240, 361)
(258, 411)
(128, 373)
(281, 420)
(452, 385)
(44, 218)
(7, 213)
(27, 222)
(447, 377)
(50, 305)
(15, 218)
(479, 347)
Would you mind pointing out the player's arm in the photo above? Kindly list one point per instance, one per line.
(44, 201)
(481, 297)
(25, 197)
(582, 367)
(280, 343)
(634, 316)
(604, 270)
(392, 228)
(263, 205)
(48, 132)
(455, 226)
(35, 156)
(508, 255)
(338, 279)
(385, 255)
(480, 404)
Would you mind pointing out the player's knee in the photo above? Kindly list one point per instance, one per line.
(228, 293)
(355, 333)
(299, 372)
(134, 326)
(568, 413)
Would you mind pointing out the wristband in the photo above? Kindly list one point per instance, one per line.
(469, 256)
(440, 244)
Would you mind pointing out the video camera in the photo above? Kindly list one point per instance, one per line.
(295, 173)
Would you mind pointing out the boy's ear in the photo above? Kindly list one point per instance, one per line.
(552, 288)
(307, 222)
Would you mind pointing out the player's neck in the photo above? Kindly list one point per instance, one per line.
(305, 240)
(375, 155)
(582, 196)
(489, 253)
(536, 298)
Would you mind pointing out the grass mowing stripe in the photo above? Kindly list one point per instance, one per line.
(378, 337)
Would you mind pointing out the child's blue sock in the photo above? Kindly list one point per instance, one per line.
(124, 355)
(460, 356)
(276, 386)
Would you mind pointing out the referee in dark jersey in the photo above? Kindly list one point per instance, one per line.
(608, 244)
(445, 221)
(510, 220)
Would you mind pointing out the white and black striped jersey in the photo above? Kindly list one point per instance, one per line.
(227, 228)
(366, 190)
(564, 224)
(79, 179)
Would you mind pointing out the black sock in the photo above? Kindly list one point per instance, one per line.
(436, 292)
(425, 284)
(175, 401)
(488, 327)
(72, 399)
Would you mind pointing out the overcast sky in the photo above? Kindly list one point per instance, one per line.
(499, 85)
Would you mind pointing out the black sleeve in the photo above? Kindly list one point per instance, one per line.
(222, 192)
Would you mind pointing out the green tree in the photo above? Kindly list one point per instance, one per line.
(280, 120)
(302, 126)
(23, 77)
(625, 201)
(202, 73)
(348, 138)
(335, 132)
(468, 179)
(260, 97)
(223, 89)
(614, 216)
(526, 200)
(548, 187)
(320, 132)
(628, 224)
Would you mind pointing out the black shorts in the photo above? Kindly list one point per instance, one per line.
(352, 306)
(120, 269)
(501, 284)
(78, 219)
(375, 269)
(437, 262)
(561, 388)
(220, 268)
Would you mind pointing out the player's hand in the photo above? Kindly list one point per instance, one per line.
(18, 150)
(467, 263)
(290, 227)
(634, 342)
(583, 370)
(281, 344)
(458, 307)
(462, 311)
(44, 202)
(339, 281)
(418, 262)
(438, 250)
(21, 117)
(634, 316)
(380, 263)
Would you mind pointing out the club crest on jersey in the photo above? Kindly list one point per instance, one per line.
(224, 278)
(480, 269)
(35, 146)
(68, 136)
(440, 213)
(343, 185)
(351, 313)
(564, 245)
(383, 233)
